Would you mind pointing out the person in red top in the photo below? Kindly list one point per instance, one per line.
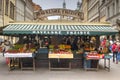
(119, 47)
(118, 54)
(114, 50)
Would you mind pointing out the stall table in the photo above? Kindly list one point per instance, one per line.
(59, 58)
(92, 68)
(20, 56)
(88, 61)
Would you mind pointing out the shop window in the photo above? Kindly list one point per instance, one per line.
(6, 7)
(11, 10)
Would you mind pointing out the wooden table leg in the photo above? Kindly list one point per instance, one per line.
(33, 64)
(9, 64)
(49, 65)
(109, 64)
(21, 63)
(104, 63)
(69, 65)
(98, 65)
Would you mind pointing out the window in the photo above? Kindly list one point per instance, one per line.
(1, 7)
(113, 8)
(11, 10)
(117, 6)
(6, 7)
(103, 1)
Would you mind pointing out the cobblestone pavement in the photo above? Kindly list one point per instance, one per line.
(46, 74)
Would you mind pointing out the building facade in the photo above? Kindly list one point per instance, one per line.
(113, 11)
(14, 10)
(37, 9)
(29, 10)
(7, 11)
(90, 8)
(7, 14)
(94, 10)
(113, 14)
(102, 11)
(84, 9)
(1, 13)
(24, 10)
(20, 10)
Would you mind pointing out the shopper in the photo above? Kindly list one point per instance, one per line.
(74, 44)
(118, 54)
(79, 43)
(115, 51)
(68, 41)
(3, 47)
(7, 45)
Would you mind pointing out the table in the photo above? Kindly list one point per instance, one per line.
(88, 59)
(88, 63)
(20, 56)
(60, 57)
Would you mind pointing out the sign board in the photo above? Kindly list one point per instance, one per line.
(62, 12)
(63, 32)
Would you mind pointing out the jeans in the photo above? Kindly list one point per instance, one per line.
(118, 56)
(115, 56)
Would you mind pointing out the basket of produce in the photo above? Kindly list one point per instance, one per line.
(67, 47)
(51, 46)
(61, 47)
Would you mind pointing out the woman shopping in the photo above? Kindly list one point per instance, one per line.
(118, 54)
(114, 50)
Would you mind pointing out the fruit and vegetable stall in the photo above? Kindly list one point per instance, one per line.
(56, 45)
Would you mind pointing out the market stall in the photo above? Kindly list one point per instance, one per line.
(81, 37)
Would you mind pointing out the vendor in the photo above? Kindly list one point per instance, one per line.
(7, 45)
(23, 49)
